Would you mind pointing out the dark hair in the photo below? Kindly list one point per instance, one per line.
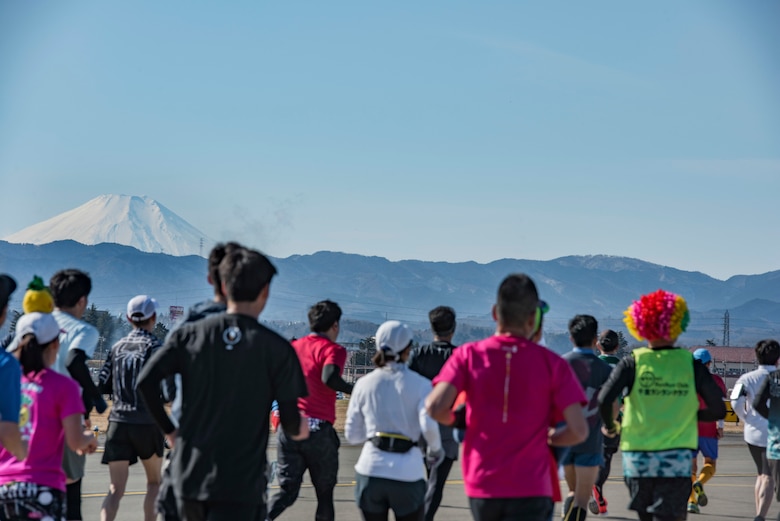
(442, 320)
(215, 257)
(68, 286)
(381, 358)
(7, 286)
(143, 323)
(517, 300)
(609, 341)
(767, 351)
(583, 330)
(245, 273)
(323, 315)
(31, 354)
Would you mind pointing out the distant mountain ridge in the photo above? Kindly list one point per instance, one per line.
(140, 222)
(374, 288)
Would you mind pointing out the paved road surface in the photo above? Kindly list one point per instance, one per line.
(730, 491)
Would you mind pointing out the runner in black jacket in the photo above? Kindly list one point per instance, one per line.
(229, 364)
(428, 360)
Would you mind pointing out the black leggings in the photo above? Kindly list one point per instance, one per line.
(511, 509)
(437, 478)
(319, 454)
(605, 468)
(418, 515)
(651, 517)
(759, 458)
(73, 501)
(220, 511)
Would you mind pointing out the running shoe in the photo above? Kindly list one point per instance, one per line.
(593, 506)
(567, 504)
(693, 508)
(598, 504)
(701, 497)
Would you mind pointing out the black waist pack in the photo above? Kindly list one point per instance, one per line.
(390, 442)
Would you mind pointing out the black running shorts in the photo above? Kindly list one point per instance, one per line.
(131, 442)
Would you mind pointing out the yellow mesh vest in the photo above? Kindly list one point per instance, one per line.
(660, 411)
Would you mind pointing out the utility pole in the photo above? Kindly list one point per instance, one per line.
(726, 339)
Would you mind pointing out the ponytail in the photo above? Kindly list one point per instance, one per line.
(31, 354)
(383, 356)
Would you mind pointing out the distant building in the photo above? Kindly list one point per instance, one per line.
(730, 362)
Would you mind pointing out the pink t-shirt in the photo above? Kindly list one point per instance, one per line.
(315, 352)
(514, 391)
(47, 398)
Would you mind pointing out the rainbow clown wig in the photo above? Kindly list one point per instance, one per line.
(661, 315)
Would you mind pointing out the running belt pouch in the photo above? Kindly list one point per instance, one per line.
(388, 444)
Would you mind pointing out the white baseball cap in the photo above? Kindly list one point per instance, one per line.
(394, 336)
(141, 307)
(42, 325)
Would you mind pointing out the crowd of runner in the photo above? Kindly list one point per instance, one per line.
(414, 414)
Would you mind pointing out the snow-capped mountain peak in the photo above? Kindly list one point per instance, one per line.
(140, 222)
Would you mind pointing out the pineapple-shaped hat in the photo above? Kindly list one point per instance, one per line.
(38, 297)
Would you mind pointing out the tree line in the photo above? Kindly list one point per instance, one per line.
(110, 327)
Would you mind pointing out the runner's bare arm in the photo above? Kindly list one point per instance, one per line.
(78, 440)
(439, 402)
(11, 439)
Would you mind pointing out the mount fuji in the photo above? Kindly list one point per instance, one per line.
(140, 222)
(169, 267)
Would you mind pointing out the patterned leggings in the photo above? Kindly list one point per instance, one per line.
(22, 501)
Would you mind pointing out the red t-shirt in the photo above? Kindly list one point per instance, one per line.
(315, 352)
(514, 389)
(710, 429)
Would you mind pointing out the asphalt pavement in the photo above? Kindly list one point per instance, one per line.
(730, 492)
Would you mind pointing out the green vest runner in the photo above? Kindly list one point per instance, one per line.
(660, 411)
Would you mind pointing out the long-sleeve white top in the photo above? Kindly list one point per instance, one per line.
(755, 425)
(391, 399)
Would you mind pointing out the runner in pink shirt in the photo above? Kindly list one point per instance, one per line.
(50, 416)
(514, 390)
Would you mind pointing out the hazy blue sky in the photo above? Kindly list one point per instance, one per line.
(428, 130)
